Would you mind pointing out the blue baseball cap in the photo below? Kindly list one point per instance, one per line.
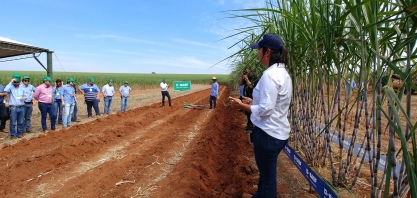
(270, 41)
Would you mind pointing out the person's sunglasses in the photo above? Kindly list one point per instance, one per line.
(26, 80)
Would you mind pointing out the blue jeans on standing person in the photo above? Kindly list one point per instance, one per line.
(69, 108)
(17, 116)
(47, 109)
(74, 113)
(124, 103)
(28, 108)
(58, 110)
(266, 149)
(107, 104)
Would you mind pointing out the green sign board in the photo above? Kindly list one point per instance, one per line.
(182, 85)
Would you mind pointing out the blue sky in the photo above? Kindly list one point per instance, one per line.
(126, 36)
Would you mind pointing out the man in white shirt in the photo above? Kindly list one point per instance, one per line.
(164, 90)
(108, 92)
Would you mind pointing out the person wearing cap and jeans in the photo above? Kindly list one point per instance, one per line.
(28, 91)
(124, 91)
(68, 101)
(164, 91)
(57, 100)
(91, 96)
(4, 114)
(108, 92)
(269, 107)
(214, 92)
(16, 105)
(45, 97)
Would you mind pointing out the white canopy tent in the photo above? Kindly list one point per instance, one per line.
(13, 50)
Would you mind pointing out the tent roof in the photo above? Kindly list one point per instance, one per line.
(10, 48)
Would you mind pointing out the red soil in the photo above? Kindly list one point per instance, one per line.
(150, 151)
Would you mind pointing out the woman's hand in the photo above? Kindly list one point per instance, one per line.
(247, 100)
(236, 102)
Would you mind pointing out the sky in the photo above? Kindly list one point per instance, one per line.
(127, 36)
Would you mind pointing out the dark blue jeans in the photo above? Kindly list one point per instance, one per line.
(58, 110)
(47, 109)
(28, 115)
(266, 149)
(17, 115)
(74, 114)
(92, 104)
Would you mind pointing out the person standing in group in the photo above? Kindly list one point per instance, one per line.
(214, 93)
(44, 95)
(164, 90)
(108, 92)
(16, 105)
(68, 101)
(249, 81)
(3, 110)
(269, 107)
(57, 100)
(124, 95)
(28, 90)
(74, 113)
(91, 96)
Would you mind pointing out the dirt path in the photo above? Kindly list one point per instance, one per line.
(148, 151)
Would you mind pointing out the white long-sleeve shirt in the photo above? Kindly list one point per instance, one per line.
(271, 100)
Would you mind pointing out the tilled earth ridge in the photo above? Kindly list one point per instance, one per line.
(150, 151)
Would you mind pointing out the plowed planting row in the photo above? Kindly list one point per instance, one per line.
(150, 151)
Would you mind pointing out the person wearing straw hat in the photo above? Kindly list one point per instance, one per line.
(44, 95)
(16, 105)
(124, 91)
(68, 101)
(91, 96)
(4, 114)
(164, 91)
(28, 90)
(214, 93)
(108, 92)
(57, 100)
(269, 107)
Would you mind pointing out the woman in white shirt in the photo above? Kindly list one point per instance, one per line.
(164, 91)
(269, 107)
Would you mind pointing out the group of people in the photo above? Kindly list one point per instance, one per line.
(59, 102)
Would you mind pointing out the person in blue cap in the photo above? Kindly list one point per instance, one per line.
(269, 109)
(28, 90)
(16, 104)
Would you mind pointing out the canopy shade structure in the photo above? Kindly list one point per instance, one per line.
(13, 50)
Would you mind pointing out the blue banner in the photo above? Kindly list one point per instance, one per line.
(322, 189)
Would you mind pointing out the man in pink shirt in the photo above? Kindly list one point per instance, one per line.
(44, 95)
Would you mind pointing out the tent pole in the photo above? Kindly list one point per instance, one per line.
(49, 64)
